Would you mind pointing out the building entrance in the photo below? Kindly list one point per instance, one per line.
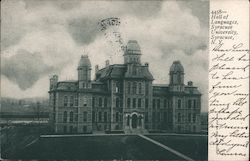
(134, 121)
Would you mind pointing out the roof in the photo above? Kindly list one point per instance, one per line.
(176, 67)
(67, 85)
(84, 61)
(192, 90)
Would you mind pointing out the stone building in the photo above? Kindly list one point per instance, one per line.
(123, 98)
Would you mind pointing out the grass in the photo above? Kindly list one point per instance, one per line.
(127, 147)
(195, 147)
(95, 148)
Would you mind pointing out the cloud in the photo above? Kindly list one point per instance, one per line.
(57, 32)
(25, 68)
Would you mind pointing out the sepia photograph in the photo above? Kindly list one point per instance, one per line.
(104, 80)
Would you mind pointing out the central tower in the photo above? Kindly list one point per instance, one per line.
(132, 53)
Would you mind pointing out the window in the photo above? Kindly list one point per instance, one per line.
(76, 101)
(146, 117)
(189, 103)
(93, 116)
(139, 102)
(134, 87)
(146, 88)
(84, 128)
(158, 103)
(134, 70)
(140, 88)
(100, 101)
(71, 101)
(116, 117)
(165, 115)
(84, 101)
(134, 102)
(194, 117)
(65, 101)
(65, 116)
(189, 117)
(85, 115)
(93, 101)
(117, 88)
(194, 103)
(165, 103)
(71, 116)
(153, 117)
(158, 116)
(129, 87)
(117, 102)
(100, 116)
(154, 103)
(64, 129)
(146, 103)
(179, 103)
(179, 78)
(128, 102)
(128, 120)
(76, 118)
(105, 117)
(179, 117)
(105, 102)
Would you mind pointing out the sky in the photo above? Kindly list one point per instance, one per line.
(40, 38)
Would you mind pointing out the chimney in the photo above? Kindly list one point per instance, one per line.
(190, 83)
(107, 63)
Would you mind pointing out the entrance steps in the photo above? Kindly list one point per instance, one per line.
(136, 131)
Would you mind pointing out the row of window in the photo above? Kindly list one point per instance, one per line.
(103, 116)
(102, 102)
(70, 101)
(71, 117)
(157, 103)
(190, 118)
(136, 88)
(191, 103)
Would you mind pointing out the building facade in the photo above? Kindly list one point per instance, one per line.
(123, 98)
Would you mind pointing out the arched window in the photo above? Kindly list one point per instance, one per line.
(139, 102)
(105, 102)
(179, 117)
(105, 117)
(71, 116)
(189, 117)
(189, 103)
(140, 88)
(146, 88)
(85, 116)
(71, 101)
(133, 70)
(129, 87)
(117, 102)
(128, 102)
(65, 101)
(76, 101)
(116, 116)
(179, 103)
(179, 78)
(65, 116)
(128, 120)
(134, 87)
(194, 117)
